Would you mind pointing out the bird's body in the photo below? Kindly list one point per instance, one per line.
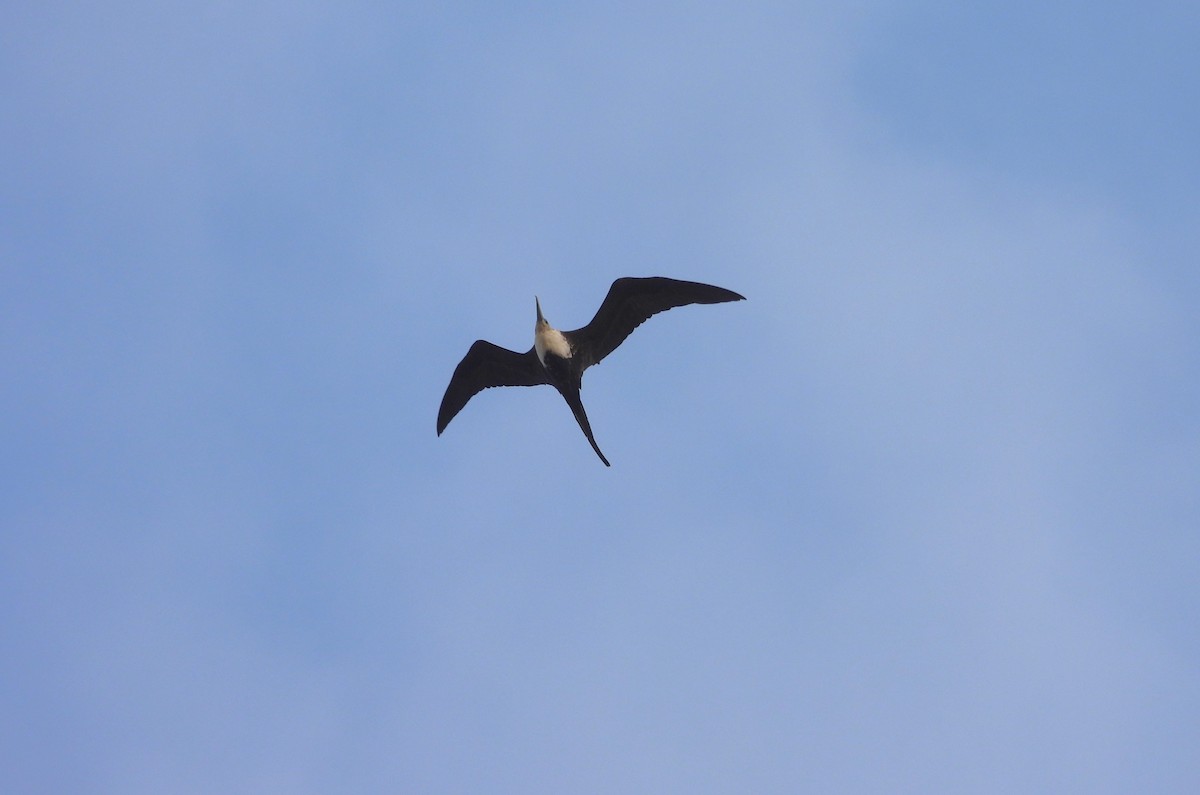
(550, 341)
(558, 358)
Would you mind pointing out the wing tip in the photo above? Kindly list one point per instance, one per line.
(725, 293)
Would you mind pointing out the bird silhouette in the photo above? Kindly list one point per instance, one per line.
(558, 358)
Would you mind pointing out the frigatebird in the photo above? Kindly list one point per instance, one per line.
(558, 358)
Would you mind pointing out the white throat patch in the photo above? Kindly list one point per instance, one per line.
(552, 340)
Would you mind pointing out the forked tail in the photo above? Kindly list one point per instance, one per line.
(572, 398)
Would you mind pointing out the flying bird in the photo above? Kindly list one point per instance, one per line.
(558, 358)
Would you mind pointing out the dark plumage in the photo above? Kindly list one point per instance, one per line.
(559, 358)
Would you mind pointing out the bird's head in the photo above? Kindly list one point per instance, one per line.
(541, 321)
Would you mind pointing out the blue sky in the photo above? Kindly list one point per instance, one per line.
(920, 515)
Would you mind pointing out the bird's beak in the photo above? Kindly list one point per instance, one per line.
(538, 304)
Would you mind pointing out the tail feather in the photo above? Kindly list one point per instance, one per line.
(573, 400)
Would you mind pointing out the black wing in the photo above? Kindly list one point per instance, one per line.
(630, 303)
(487, 365)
